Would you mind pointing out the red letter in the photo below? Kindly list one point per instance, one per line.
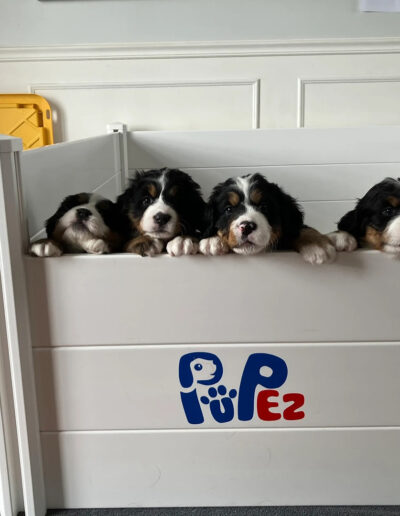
(263, 405)
(290, 412)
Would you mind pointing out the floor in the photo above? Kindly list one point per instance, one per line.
(387, 510)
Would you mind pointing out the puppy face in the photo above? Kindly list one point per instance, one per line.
(375, 220)
(251, 215)
(162, 204)
(81, 219)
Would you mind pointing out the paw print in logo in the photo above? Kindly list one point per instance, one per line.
(221, 405)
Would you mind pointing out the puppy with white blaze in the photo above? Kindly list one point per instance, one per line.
(374, 222)
(83, 223)
(249, 215)
(162, 209)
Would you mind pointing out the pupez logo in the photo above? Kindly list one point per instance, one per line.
(200, 369)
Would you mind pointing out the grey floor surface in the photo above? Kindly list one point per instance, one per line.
(393, 510)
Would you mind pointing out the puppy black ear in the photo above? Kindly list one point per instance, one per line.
(108, 210)
(291, 217)
(209, 220)
(350, 223)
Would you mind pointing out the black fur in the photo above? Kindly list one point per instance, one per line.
(373, 210)
(67, 204)
(180, 192)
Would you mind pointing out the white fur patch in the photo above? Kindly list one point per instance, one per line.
(393, 250)
(95, 223)
(96, 246)
(318, 254)
(182, 246)
(150, 226)
(44, 248)
(244, 184)
(343, 241)
(259, 239)
(213, 246)
(392, 233)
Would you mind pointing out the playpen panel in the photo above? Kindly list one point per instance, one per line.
(118, 388)
(51, 173)
(222, 468)
(153, 149)
(306, 183)
(116, 299)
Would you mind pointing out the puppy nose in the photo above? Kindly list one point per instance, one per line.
(161, 218)
(83, 213)
(247, 227)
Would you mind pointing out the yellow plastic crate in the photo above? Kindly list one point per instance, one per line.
(26, 116)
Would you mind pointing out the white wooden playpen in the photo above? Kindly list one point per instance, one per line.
(111, 409)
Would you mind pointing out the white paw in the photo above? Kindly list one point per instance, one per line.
(318, 254)
(343, 241)
(182, 246)
(213, 246)
(45, 248)
(98, 246)
(393, 250)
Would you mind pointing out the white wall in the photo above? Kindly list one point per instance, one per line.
(34, 22)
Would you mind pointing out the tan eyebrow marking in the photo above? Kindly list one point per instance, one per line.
(173, 190)
(393, 201)
(152, 190)
(233, 198)
(256, 196)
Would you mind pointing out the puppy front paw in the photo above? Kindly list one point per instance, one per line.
(213, 246)
(182, 246)
(45, 248)
(343, 241)
(317, 254)
(96, 246)
(145, 246)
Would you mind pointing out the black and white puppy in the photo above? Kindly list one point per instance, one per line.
(162, 208)
(83, 223)
(249, 214)
(374, 222)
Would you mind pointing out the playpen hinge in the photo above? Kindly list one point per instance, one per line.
(121, 130)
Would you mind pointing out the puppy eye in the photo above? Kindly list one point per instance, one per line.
(387, 212)
(198, 367)
(146, 201)
(228, 209)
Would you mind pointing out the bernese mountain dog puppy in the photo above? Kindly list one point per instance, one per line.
(162, 208)
(83, 223)
(374, 222)
(249, 214)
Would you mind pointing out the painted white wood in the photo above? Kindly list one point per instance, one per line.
(12, 245)
(195, 49)
(275, 68)
(351, 95)
(123, 388)
(202, 299)
(219, 104)
(51, 173)
(222, 468)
